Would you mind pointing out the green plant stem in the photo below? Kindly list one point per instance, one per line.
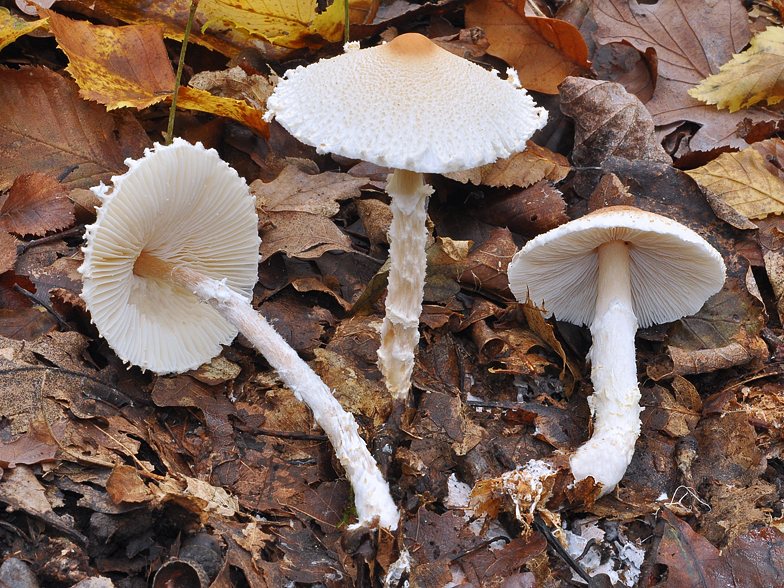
(173, 110)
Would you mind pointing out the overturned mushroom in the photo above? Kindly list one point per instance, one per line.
(417, 108)
(615, 269)
(178, 230)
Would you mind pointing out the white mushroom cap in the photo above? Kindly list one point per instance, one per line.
(673, 270)
(182, 204)
(408, 105)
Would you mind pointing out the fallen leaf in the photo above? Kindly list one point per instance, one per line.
(12, 27)
(33, 447)
(238, 110)
(39, 135)
(690, 39)
(749, 77)
(521, 169)
(115, 66)
(126, 486)
(544, 51)
(743, 181)
(445, 260)
(608, 122)
(26, 324)
(754, 561)
(294, 190)
(485, 267)
(35, 205)
(771, 242)
(300, 234)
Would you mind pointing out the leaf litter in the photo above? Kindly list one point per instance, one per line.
(118, 470)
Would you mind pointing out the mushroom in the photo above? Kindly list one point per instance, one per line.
(417, 108)
(178, 230)
(614, 269)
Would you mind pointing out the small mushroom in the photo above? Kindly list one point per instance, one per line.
(179, 230)
(615, 269)
(417, 108)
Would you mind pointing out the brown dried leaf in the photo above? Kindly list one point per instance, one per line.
(294, 190)
(38, 135)
(115, 66)
(755, 560)
(7, 252)
(25, 324)
(35, 446)
(300, 324)
(126, 486)
(543, 50)
(300, 234)
(521, 169)
(35, 205)
(771, 242)
(234, 83)
(445, 260)
(530, 212)
(485, 267)
(690, 39)
(608, 122)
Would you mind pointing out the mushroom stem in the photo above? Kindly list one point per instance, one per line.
(371, 492)
(615, 403)
(408, 258)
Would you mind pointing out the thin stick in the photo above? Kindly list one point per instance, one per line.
(180, 64)
(345, 27)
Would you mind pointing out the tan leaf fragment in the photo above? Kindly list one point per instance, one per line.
(115, 66)
(521, 169)
(742, 181)
(35, 204)
(749, 77)
(300, 234)
(234, 83)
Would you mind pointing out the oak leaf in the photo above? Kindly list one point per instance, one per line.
(752, 76)
(742, 181)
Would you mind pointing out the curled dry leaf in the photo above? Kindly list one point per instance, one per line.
(543, 50)
(485, 266)
(749, 77)
(608, 122)
(743, 181)
(521, 169)
(529, 212)
(115, 66)
(35, 205)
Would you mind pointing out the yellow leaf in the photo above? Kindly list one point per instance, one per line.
(749, 77)
(12, 27)
(741, 180)
(288, 23)
(115, 66)
(238, 110)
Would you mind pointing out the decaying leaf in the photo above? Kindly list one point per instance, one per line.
(115, 66)
(7, 252)
(543, 50)
(300, 234)
(749, 77)
(35, 204)
(485, 267)
(608, 122)
(37, 135)
(743, 181)
(238, 110)
(234, 83)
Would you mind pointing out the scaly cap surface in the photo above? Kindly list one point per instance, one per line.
(408, 104)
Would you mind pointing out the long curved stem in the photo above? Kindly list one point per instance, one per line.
(408, 238)
(615, 403)
(371, 492)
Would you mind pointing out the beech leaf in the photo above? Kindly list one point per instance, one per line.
(34, 205)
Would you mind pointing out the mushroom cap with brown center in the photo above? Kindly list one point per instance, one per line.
(180, 204)
(407, 104)
(673, 270)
